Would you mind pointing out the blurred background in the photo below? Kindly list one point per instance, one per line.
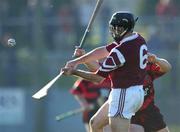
(46, 32)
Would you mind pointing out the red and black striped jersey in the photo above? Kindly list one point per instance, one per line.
(153, 72)
(89, 90)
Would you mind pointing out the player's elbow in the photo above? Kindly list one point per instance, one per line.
(169, 67)
(98, 79)
(166, 66)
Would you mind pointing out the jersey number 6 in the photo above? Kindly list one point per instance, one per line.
(143, 57)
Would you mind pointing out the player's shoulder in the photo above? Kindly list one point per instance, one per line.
(133, 41)
(134, 38)
(141, 39)
(112, 45)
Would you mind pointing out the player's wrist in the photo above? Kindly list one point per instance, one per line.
(73, 71)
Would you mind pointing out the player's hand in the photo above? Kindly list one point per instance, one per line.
(78, 52)
(152, 58)
(67, 71)
(71, 64)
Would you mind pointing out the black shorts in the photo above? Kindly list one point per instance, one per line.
(150, 118)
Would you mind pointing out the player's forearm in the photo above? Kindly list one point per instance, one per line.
(164, 64)
(88, 76)
(92, 66)
(93, 55)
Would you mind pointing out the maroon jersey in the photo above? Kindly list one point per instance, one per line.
(126, 62)
(153, 72)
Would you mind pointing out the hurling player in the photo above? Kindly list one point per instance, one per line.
(148, 118)
(125, 66)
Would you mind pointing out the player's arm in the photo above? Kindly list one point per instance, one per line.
(164, 65)
(92, 66)
(96, 54)
(114, 60)
(90, 76)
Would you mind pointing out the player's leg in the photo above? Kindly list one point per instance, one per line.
(100, 119)
(87, 114)
(123, 103)
(164, 130)
(137, 122)
(87, 127)
(136, 128)
(119, 124)
(107, 128)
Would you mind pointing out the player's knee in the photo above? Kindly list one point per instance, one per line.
(164, 130)
(92, 124)
(136, 128)
(113, 127)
